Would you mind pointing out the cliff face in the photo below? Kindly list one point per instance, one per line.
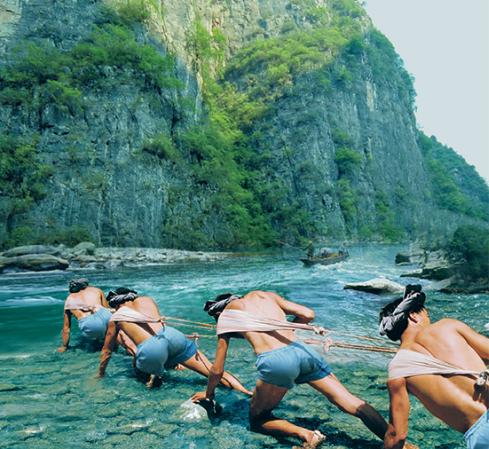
(207, 124)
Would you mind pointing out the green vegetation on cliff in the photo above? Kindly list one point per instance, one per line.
(37, 76)
(254, 152)
(22, 182)
(456, 185)
(60, 75)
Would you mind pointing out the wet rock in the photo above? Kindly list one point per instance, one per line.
(8, 387)
(402, 258)
(84, 248)
(377, 286)
(31, 249)
(33, 262)
(436, 272)
(465, 288)
(31, 432)
(86, 255)
(128, 429)
(83, 261)
(432, 271)
(118, 441)
(94, 436)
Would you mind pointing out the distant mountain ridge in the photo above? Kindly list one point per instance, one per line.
(215, 124)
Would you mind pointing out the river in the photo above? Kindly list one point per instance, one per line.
(52, 400)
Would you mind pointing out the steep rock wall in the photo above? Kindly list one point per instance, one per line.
(334, 154)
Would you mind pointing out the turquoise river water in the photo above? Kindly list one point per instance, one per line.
(52, 400)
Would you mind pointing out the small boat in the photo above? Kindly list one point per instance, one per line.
(328, 260)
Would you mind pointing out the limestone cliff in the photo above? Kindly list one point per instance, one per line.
(207, 124)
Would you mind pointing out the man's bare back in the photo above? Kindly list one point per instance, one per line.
(269, 305)
(91, 296)
(454, 399)
(139, 332)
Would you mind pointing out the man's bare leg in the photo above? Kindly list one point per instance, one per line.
(201, 364)
(265, 398)
(125, 341)
(337, 394)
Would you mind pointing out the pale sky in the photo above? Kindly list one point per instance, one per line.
(445, 45)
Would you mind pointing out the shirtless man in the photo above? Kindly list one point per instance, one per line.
(158, 347)
(443, 364)
(281, 362)
(89, 306)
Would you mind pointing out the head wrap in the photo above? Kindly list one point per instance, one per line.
(390, 324)
(116, 300)
(124, 290)
(76, 285)
(215, 307)
(120, 296)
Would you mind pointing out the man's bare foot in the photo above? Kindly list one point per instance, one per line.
(179, 367)
(316, 441)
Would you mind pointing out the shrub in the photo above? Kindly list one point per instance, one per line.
(385, 217)
(129, 12)
(162, 146)
(63, 73)
(116, 46)
(22, 181)
(348, 200)
(67, 98)
(20, 171)
(33, 64)
(14, 96)
(341, 138)
(20, 235)
(348, 161)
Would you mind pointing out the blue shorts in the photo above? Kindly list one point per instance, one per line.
(163, 351)
(294, 363)
(477, 437)
(94, 327)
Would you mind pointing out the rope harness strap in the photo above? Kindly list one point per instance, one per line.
(325, 343)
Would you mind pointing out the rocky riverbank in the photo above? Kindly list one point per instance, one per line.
(87, 256)
(436, 265)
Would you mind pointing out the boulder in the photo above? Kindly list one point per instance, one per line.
(82, 261)
(84, 249)
(31, 249)
(33, 262)
(436, 272)
(402, 258)
(377, 286)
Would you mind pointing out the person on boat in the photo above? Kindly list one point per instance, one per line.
(325, 252)
(260, 318)
(89, 306)
(443, 364)
(158, 347)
